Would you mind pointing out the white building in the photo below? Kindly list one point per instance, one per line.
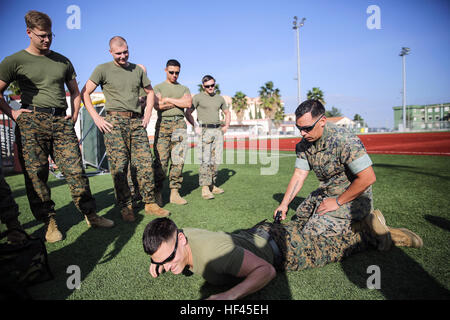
(342, 122)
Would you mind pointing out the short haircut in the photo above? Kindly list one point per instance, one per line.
(156, 232)
(173, 63)
(117, 39)
(314, 106)
(207, 78)
(36, 19)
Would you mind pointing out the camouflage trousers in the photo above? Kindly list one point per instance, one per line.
(302, 251)
(211, 155)
(38, 136)
(170, 144)
(133, 183)
(128, 148)
(9, 210)
(336, 222)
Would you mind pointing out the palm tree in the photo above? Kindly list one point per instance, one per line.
(216, 89)
(279, 117)
(358, 119)
(14, 89)
(270, 99)
(334, 112)
(315, 94)
(239, 105)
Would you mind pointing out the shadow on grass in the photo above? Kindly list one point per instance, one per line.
(19, 192)
(224, 175)
(438, 221)
(87, 251)
(408, 169)
(277, 289)
(401, 276)
(69, 215)
(190, 181)
(294, 203)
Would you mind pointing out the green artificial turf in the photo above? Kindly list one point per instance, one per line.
(411, 191)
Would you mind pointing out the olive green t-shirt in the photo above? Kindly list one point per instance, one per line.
(41, 79)
(208, 107)
(218, 256)
(142, 92)
(120, 85)
(171, 90)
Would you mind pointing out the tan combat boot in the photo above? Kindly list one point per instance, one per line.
(156, 210)
(402, 237)
(176, 198)
(216, 190)
(376, 223)
(206, 194)
(93, 220)
(52, 234)
(127, 213)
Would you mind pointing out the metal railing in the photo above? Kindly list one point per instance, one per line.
(7, 140)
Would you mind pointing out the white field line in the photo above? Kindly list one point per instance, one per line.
(411, 152)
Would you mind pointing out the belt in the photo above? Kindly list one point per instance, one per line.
(276, 251)
(210, 125)
(52, 111)
(171, 118)
(128, 114)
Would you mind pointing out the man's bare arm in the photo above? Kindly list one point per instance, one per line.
(100, 122)
(294, 187)
(189, 117)
(149, 105)
(257, 273)
(75, 99)
(184, 102)
(5, 107)
(227, 120)
(162, 105)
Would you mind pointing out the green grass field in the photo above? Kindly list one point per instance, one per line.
(411, 191)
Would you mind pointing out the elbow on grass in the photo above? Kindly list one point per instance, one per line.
(271, 273)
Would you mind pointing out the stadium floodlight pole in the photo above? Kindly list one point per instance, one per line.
(297, 28)
(405, 51)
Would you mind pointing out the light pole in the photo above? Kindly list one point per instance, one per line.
(405, 51)
(297, 27)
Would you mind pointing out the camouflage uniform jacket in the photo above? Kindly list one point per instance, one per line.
(335, 158)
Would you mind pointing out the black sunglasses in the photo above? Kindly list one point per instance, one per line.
(172, 256)
(210, 86)
(309, 128)
(174, 72)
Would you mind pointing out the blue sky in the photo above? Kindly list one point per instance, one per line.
(244, 44)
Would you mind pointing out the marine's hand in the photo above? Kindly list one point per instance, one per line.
(146, 120)
(103, 125)
(164, 104)
(155, 270)
(73, 117)
(219, 296)
(224, 129)
(327, 205)
(284, 209)
(17, 113)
